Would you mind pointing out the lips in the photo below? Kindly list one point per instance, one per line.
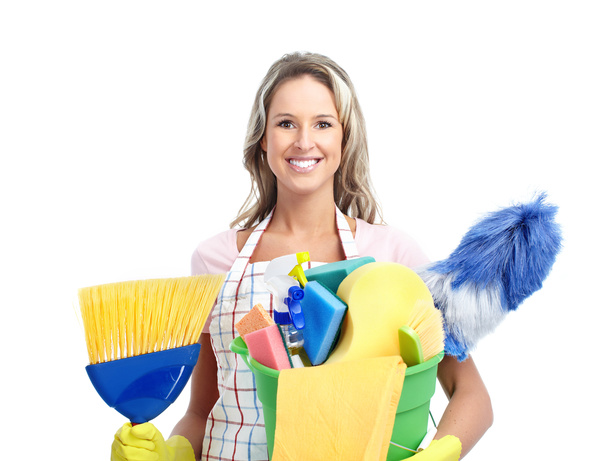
(303, 165)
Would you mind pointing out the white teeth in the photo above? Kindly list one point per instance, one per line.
(303, 163)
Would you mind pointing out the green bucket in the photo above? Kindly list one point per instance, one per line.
(412, 414)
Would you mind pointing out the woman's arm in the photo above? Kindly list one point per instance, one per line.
(469, 411)
(204, 393)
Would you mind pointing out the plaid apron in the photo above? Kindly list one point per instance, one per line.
(235, 429)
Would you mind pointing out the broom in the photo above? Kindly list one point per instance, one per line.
(500, 261)
(142, 339)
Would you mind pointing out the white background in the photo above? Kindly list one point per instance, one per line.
(121, 129)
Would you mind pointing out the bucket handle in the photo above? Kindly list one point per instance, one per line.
(239, 347)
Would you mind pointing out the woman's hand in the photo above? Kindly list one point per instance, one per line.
(445, 449)
(144, 442)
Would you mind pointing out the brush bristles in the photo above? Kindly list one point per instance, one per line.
(126, 319)
(428, 323)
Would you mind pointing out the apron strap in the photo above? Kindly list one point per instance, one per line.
(240, 263)
(346, 237)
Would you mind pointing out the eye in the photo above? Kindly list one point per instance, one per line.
(285, 124)
(324, 125)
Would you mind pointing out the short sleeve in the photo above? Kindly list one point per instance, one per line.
(388, 244)
(215, 256)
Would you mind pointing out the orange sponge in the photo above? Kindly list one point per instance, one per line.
(254, 320)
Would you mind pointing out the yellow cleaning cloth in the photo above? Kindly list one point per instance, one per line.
(340, 411)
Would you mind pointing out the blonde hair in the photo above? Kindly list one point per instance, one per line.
(353, 191)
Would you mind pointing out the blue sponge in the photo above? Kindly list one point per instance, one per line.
(323, 314)
(332, 274)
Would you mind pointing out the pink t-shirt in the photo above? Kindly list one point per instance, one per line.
(384, 243)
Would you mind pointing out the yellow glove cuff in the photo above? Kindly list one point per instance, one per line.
(180, 449)
(447, 448)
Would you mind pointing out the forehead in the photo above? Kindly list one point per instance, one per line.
(303, 93)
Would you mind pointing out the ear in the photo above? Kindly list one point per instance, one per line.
(263, 143)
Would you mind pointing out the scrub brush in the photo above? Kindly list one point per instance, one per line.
(422, 337)
(142, 339)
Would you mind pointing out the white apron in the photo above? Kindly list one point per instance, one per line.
(235, 429)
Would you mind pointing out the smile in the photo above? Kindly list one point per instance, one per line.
(303, 164)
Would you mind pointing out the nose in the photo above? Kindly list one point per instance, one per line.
(304, 140)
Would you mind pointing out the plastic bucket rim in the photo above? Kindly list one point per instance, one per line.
(264, 369)
(425, 365)
(409, 370)
(241, 349)
(238, 348)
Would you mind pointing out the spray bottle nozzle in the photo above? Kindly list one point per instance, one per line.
(295, 308)
(296, 293)
(285, 287)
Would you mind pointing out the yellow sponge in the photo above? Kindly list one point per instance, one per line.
(380, 298)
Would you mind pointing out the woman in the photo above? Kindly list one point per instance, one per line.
(307, 156)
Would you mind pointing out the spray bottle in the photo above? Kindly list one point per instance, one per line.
(288, 310)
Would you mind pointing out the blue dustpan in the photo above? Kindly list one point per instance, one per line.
(142, 387)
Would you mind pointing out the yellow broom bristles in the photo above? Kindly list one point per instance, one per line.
(126, 319)
(428, 323)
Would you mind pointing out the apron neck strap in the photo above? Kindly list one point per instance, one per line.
(346, 237)
(243, 258)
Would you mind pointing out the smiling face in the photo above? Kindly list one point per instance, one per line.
(303, 137)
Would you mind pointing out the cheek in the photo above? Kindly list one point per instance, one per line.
(273, 160)
(335, 146)
(272, 144)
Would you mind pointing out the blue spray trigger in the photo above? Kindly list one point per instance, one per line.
(296, 293)
(296, 314)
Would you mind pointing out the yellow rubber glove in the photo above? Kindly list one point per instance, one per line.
(447, 448)
(144, 442)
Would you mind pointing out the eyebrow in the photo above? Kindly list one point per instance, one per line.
(316, 116)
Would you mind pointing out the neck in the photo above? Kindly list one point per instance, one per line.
(304, 215)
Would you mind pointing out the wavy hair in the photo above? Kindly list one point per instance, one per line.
(353, 191)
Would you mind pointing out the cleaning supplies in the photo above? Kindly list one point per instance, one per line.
(411, 348)
(323, 314)
(423, 336)
(142, 339)
(291, 324)
(283, 265)
(380, 298)
(500, 261)
(142, 387)
(287, 293)
(254, 320)
(412, 413)
(341, 411)
(332, 274)
(264, 339)
(267, 348)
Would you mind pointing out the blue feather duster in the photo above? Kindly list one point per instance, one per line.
(501, 261)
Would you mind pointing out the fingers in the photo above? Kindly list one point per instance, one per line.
(123, 453)
(135, 443)
(147, 431)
